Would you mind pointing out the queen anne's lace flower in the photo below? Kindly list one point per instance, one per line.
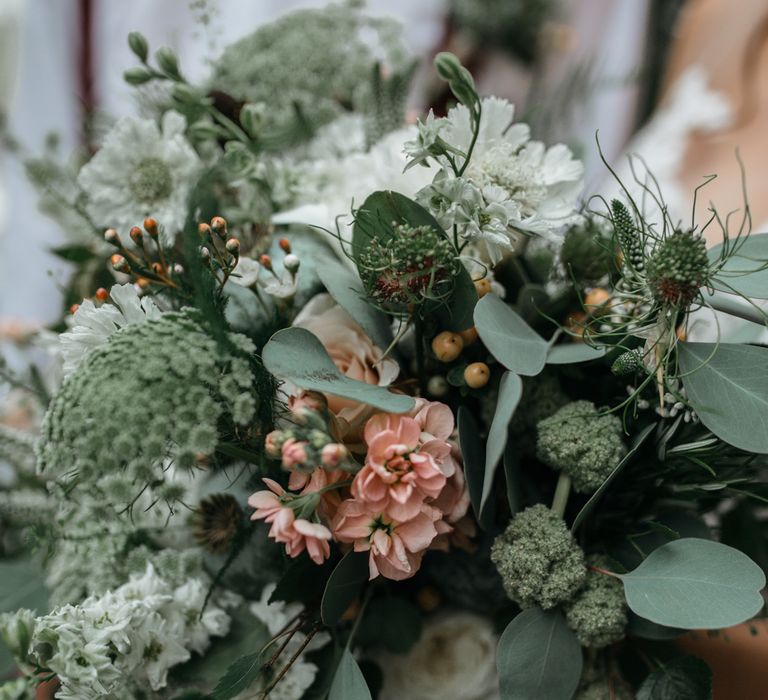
(142, 170)
(154, 391)
(93, 325)
(132, 635)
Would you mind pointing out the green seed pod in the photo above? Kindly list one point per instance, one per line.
(627, 363)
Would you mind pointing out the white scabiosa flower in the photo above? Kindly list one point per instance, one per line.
(142, 170)
(93, 325)
(455, 658)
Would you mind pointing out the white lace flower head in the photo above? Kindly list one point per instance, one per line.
(93, 325)
(142, 170)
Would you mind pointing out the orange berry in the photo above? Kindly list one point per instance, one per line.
(477, 375)
(482, 287)
(143, 283)
(469, 336)
(285, 245)
(219, 224)
(447, 346)
(102, 294)
(575, 325)
(596, 299)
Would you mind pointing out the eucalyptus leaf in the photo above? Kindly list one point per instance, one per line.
(511, 462)
(746, 271)
(510, 392)
(695, 584)
(571, 353)
(597, 495)
(296, 355)
(347, 289)
(727, 385)
(472, 454)
(348, 682)
(343, 586)
(538, 656)
(240, 676)
(509, 338)
(684, 678)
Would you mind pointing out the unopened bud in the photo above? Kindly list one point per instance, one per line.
(266, 261)
(143, 283)
(150, 226)
(219, 225)
(178, 269)
(111, 236)
(203, 130)
(233, 247)
(137, 76)
(168, 61)
(157, 268)
(74, 308)
(119, 263)
(138, 44)
(136, 236)
(102, 294)
(204, 230)
(186, 94)
(285, 245)
(205, 254)
(291, 263)
(252, 118)
(332, 454)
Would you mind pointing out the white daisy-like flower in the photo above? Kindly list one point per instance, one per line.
(93, 325)
(142, 170)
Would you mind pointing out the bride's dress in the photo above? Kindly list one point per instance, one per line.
(658, 150)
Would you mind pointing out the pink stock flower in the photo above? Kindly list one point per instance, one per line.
(297, 534)
(399, 474)
(316, 481)
(395, 548)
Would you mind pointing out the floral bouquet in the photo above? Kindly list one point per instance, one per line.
(348, 408)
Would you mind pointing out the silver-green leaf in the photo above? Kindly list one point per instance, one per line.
(510, 391)
(695, 584)
(538, 656)
(571, 353)
(509, 338)
(296, 355)
(746, 271)
(727, 385)
(348, 682)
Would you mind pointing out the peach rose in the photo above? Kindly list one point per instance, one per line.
(354, 353)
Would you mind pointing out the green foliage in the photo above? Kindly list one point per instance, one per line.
(473, 456)
(582, 443)
(743, 269)
(538, 559)
(598, 613)
(297, 355)
(240, 676)
(345, 287)
(538, 657)
(344, 586)
(348, 682)
(586, 252)
(573, 353)
(695, 584)
(684, 678)
(510, 392)
(728, 389)
(508, 338)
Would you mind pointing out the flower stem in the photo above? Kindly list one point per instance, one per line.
(418, 331)
(736, 306)
(562, 491)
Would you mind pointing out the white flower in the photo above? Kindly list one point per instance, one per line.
(142, 170)
(93, 325)
(340, 183)
(427, 142)
(455, 659)
(246, 272)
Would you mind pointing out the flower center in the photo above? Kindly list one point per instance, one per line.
(151, 181)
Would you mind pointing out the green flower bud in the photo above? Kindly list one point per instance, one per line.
(459, 79)
(168, 61)
(138, 44)
(186, 94)
(252, 117)
(137, 76)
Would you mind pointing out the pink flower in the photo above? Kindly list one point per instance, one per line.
(332, 454)
(272, 443)
(316, 481)
(399, 474)
(396, 548)
(356, 356)
(297, 534)
(294, 453)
